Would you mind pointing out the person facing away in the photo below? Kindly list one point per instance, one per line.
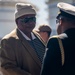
(45, 32)
(54, 63)
(22, 50)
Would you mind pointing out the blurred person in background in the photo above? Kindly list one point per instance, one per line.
(45, 32)
(22, 50)
(60, 56)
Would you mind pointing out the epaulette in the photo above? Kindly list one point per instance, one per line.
(55, 36)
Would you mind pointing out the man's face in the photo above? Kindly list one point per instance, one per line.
(59, 29)
(26, 23)
(59, 26)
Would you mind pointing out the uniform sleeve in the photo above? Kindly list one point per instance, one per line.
(8, 60)
(52, 59)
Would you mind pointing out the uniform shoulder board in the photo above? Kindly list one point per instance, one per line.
(56, 36)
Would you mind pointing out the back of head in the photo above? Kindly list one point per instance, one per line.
(44, 28)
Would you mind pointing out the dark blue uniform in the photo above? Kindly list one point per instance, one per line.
(53, 62)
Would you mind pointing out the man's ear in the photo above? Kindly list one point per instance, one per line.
(61, 22)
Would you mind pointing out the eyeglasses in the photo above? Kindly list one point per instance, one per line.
(57, 21)
(28, 19)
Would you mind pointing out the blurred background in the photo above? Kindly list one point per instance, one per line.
(46, 13)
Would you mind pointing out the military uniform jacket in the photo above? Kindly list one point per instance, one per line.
(19, 57)
(52, 62)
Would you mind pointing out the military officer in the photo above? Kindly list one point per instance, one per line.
(60, 56)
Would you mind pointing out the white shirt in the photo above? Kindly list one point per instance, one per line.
(26, 37)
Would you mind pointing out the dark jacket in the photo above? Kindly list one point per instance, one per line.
(52, 62)
(18, 56)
